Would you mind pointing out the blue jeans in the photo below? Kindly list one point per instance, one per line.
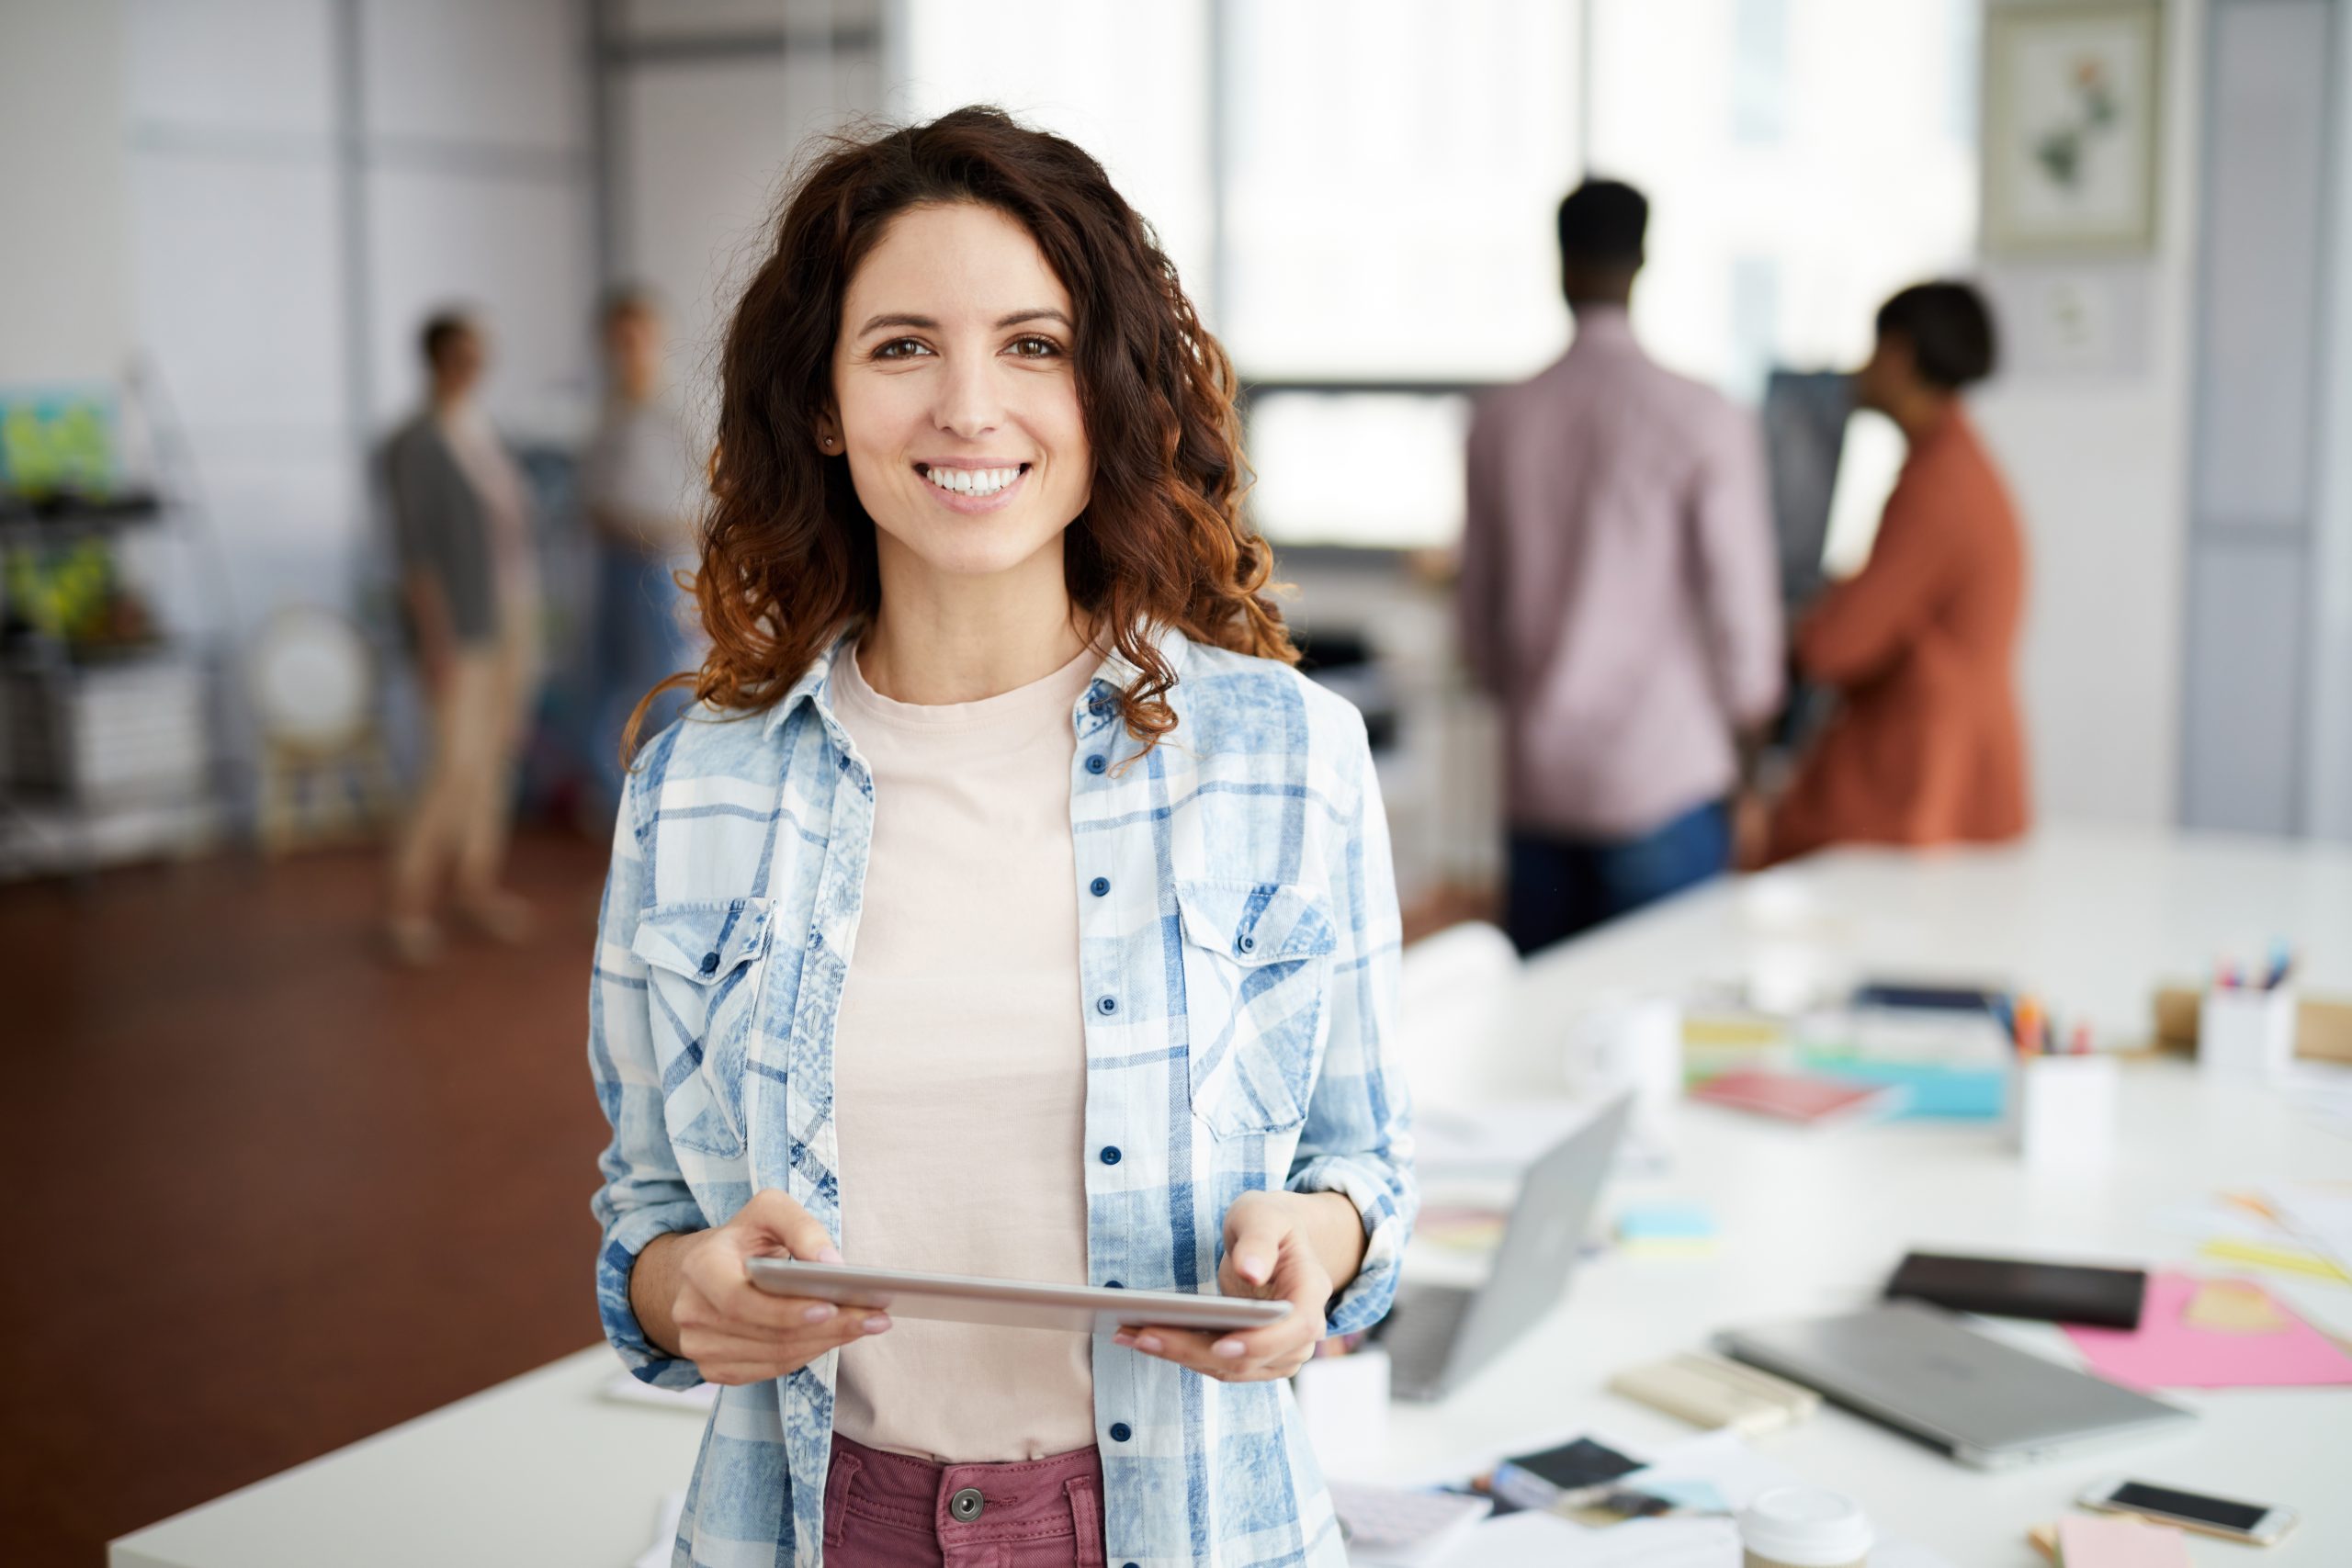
(1561, 886)
(638, 640)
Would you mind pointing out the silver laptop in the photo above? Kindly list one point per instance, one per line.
(1923, 1371)
(1437, 1335)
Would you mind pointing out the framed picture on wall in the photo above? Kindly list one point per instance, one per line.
(2073, 126)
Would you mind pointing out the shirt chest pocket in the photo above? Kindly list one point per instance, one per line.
(1256, 963)
(702, 978)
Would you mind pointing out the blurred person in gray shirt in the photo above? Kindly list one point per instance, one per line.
(461, 514)
(1619, 597)
(641, 487)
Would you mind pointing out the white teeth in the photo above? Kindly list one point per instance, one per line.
(972, 482)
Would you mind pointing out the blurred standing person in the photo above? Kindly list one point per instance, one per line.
(1919, 645)
(640, 485)
(1619, 597)
(461, 513)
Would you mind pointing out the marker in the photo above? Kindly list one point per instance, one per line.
(2030, 1025)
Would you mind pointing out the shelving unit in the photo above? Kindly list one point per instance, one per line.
(107, 753)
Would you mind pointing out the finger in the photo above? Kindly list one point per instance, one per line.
(774, 1211)
(794, 1350)
(722, 1291)
(1252, 1250)
(751, 1308)
(1224, 1356)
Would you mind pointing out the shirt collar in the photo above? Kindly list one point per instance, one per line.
(815, 686)
(1602, 325)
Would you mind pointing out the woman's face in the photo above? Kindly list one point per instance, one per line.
(956, 398)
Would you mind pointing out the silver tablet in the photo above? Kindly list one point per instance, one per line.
(1008, 1304)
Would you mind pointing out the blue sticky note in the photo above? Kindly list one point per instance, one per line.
(1666, 1221)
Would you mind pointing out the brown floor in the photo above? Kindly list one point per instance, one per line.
(265, 1194)
(270, 1195)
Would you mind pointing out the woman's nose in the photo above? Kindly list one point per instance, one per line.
(970, 403)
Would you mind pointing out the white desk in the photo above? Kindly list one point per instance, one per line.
(542, 1470)
(538, 1469)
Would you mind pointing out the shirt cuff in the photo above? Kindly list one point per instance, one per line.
(1367, 1184)
(626, 1238)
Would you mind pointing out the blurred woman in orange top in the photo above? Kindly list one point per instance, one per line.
(1925, 747)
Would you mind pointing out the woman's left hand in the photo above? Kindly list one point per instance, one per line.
(1269, 1253)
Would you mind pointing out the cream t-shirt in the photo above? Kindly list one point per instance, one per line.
(959, 1065)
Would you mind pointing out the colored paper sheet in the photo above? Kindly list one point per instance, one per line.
(2120, 1544)
(2234, 1306)
(2283, 1256)
(1666, 1221)
(2169, 1351)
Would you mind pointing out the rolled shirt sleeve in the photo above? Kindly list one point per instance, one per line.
(644, 1195)
(1357, 1140)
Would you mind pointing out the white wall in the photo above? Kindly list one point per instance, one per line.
(287, 240)
(713, 104)
(65, 263)
(2327, 784)
(2099, 462)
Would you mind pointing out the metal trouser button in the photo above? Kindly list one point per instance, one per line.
(966, 1504)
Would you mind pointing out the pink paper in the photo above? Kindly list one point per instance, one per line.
(2165, 1352)
(2120, 1544)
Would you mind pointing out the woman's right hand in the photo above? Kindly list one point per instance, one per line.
(736, 1333)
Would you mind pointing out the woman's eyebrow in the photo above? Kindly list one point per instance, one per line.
(876, 323)
(927, 324)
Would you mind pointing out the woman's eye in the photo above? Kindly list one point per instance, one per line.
(901, 348)
(1034, 347)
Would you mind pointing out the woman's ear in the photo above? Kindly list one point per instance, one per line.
(828, 434)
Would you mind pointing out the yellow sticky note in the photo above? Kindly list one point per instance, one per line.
(2283, 1256)
(2233, 1306)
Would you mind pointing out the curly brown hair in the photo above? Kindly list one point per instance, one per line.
(787, 550)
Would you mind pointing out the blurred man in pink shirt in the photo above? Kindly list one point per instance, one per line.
(1619, 598)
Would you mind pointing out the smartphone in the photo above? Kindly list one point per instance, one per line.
(2211, 1516)
(2023, 1287)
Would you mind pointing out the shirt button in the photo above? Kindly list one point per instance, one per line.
(1099, 886)
(966, 1504)
(1112, 1285)
(1096, 764)
(1120, 1432)
(710, 964)
(1110, 1153)
(1248, 944)
(1106, 1004)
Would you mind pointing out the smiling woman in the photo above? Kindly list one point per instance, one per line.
(1152, 487)
(1007, 906)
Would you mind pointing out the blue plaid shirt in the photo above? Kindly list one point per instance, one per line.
(1238, 952)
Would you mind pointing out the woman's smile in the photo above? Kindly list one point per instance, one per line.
(971, 488)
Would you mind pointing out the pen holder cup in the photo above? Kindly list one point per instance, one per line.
(2246, 1031)
(1344, 1402)
(2061, 1109)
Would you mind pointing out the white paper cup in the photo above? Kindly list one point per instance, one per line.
(1804, 1527)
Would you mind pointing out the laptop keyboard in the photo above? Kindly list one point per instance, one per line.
(1421, 1330)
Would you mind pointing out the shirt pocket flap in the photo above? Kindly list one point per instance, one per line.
(706, 941)
(1254, 923)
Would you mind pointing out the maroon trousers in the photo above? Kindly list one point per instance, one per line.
(885, 1510)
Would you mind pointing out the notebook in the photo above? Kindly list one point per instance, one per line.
(2120, 1544)
(1808, 1099)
